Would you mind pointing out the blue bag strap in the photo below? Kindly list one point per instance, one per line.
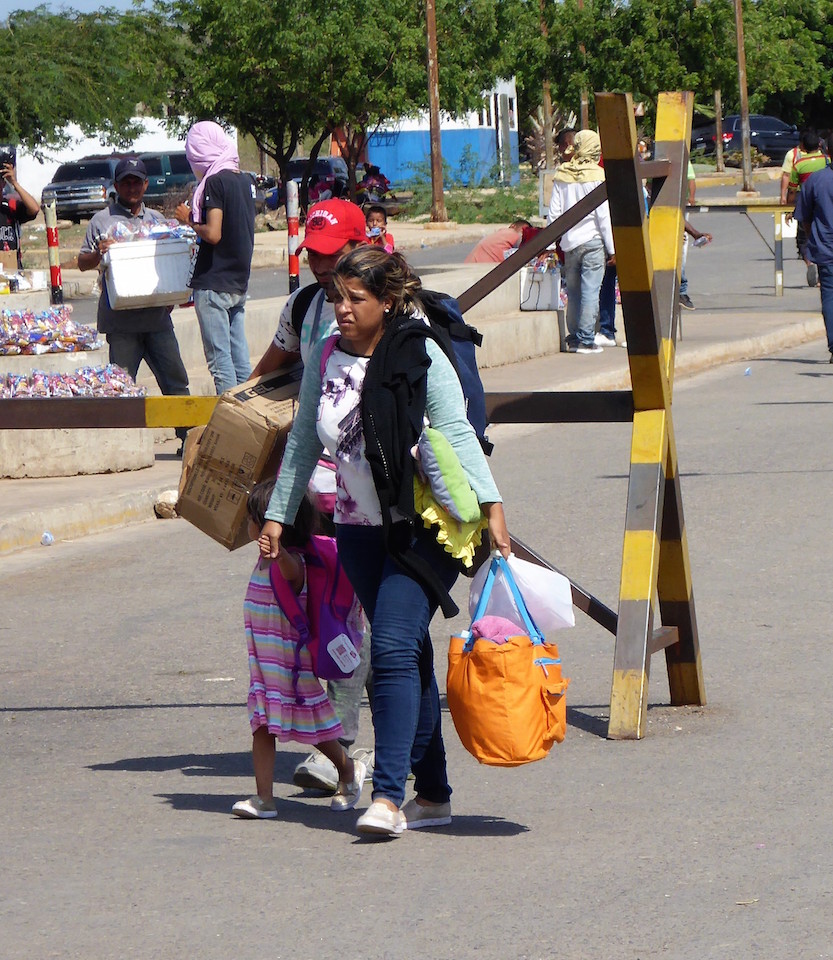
(534, 633)
(499, 564)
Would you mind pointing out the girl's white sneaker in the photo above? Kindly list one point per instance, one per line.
(254, 809)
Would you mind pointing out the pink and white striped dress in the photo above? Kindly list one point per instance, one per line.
(271, 640)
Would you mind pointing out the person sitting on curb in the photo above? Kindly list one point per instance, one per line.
(495, 247)
(143, 333)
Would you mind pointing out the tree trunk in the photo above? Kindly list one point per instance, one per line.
(718, 130)
(438, 211)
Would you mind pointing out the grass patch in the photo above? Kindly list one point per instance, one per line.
(487, 204)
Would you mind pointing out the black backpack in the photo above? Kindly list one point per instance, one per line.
(458, 338)
(453, 332)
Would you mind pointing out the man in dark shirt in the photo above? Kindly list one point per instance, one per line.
(17, 206)
(145, 333)
(224, 220)
(814, 209)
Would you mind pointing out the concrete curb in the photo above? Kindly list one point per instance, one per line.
(714, 355)
(78, 520)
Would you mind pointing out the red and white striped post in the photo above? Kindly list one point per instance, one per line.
(50, 215)
(292, 221)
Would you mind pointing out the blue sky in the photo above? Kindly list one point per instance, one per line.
(85, 6)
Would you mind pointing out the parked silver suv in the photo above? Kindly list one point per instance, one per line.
(82, 187)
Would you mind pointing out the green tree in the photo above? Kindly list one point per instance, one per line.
(90, 69)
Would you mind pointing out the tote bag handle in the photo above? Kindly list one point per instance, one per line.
(499, 563)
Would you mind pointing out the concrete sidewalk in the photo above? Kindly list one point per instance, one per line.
(71, 507)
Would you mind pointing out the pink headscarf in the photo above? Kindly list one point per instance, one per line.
(209, 150)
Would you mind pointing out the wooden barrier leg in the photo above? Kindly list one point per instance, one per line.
(676, 598)
(640, 569)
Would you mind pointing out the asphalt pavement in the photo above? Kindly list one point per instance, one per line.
(125, 737)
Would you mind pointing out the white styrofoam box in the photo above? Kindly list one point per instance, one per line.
(788, 230)
(148, 273)
(540, 290)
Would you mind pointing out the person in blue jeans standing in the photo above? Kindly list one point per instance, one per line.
(814, 209)
(142, 333)
(222, 213)
(588, 246)
(364, 397)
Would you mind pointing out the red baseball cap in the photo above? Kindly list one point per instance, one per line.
(331, 224)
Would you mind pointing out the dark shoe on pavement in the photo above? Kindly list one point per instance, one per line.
(685, 301)
(812, 275)
(589, 348)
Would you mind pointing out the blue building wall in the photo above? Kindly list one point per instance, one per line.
(470, 155)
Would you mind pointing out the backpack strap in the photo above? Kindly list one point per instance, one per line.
(287, 600)
(327, 352)
(300, 305)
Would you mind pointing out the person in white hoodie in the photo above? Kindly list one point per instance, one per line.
(588, 246)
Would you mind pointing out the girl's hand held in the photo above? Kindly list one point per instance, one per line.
(269, 540)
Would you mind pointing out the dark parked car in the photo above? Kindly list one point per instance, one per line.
(166, 171)
(768, 135)
(330, 171)
(83, 187)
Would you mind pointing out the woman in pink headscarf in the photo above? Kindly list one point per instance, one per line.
(222, 213)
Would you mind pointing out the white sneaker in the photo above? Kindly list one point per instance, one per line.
(602, 341)
(589, 348)
(380, 820)
(347, 795)
(368, 758)
(254, 809)
(316, 773)
(417, 816)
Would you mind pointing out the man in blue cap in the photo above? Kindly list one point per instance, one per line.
(144, 333)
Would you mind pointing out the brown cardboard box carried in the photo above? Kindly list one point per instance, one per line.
(241, 445)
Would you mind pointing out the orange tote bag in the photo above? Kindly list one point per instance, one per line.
(507, 700)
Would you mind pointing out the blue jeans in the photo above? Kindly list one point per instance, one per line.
(222, 325)
(160, 351)
(607, 303)
(826, 282)
(683, 277)
(406, 702)
(584, 268)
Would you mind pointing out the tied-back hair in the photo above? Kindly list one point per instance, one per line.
(295, 535)
(382, 275)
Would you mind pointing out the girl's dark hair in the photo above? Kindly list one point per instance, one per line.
(381, 274)
(375, 208)
(296, 534)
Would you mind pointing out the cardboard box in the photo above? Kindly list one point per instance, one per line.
(148, 273)
(241, 445)
(8, 262)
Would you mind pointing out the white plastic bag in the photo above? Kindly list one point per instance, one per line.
(547, 594)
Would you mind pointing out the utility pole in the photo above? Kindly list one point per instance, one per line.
(584, 109)
(549, 153)
(438, 211)
(744, 101)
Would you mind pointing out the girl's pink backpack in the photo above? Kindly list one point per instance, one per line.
(325, 627)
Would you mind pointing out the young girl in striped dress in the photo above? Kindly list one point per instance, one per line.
(274, 708)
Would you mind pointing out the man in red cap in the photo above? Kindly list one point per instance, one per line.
(333, 228)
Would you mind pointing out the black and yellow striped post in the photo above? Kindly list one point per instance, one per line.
(655, 553)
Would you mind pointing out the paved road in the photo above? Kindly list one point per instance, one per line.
(125, 738)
